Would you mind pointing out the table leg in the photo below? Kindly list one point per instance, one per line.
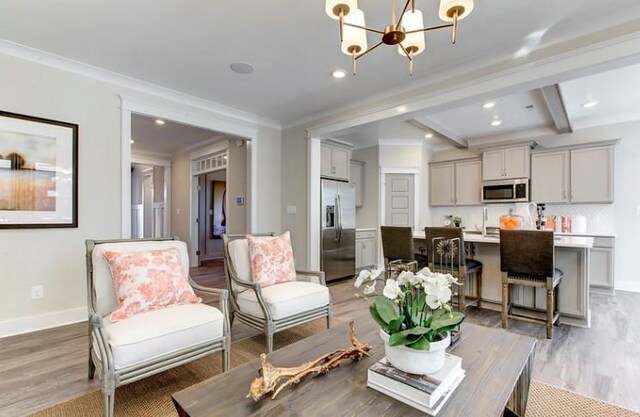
(517, 404)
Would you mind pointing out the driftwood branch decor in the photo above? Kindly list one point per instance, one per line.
(272, 380)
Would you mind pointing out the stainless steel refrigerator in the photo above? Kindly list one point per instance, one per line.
(338, 247)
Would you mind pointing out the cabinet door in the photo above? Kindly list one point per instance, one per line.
(357, 179)
(493, 165)
(601, 267)
(369, 252)
(325, 161)
(516, 162)
(442, 185)
(340, 161)
(468, 183)
(592, 175)
(550, 177)
(359, 247)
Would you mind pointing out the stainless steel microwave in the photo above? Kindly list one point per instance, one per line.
(505, 191)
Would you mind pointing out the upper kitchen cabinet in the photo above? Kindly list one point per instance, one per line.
(456, 183)
(550, 177)
(579, 175)
(592, 175)
(334, 161)
(442, 179)
(357, 180)
(469, 183)
(506, 163)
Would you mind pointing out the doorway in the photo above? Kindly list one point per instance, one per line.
(399, 200)
(212, 215)
(148, 201)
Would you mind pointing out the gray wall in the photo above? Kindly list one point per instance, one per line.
(368, 215)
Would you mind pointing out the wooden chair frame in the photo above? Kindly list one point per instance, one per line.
(104, 362)
(268, 324)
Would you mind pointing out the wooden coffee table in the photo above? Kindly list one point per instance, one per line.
(498, 365)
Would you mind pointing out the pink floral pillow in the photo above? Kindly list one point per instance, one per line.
(271, 259)
(148, 280)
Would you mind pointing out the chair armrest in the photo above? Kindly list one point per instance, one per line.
(223, 297)
(317, 274)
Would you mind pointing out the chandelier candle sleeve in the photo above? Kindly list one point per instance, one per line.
(413, 43)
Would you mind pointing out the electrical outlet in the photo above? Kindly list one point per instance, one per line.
(37, 292)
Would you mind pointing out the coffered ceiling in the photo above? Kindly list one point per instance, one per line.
(293, 45)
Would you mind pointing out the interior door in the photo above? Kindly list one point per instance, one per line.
(211, 215)
(399, 198)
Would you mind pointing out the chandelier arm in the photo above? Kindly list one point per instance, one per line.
(405, 52)
(364, 28)
(429, 28)
(369, 50)
(406, 6)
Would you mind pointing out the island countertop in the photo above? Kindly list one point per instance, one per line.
(561, 241)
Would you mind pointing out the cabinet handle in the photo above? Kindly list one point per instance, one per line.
(564, 195)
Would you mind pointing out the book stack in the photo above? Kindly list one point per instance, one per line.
(427, 393)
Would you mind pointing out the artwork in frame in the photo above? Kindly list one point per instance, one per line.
(38, 172)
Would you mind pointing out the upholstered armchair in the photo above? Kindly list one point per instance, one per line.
(275, 307)
(144, 344)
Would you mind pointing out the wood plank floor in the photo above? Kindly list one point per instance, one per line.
(44, 368)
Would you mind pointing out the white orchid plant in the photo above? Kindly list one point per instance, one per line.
(413, 309)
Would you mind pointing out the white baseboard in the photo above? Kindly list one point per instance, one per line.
(633, 286)
(42, 321)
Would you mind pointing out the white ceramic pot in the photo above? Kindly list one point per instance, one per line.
(418, 362)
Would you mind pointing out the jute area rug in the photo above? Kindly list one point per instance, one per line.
(151, 397)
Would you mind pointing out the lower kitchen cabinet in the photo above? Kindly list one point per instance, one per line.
(365, 249)
(601, 273)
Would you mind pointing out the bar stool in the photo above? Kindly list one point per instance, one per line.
(527, 258)
(397, 249)
(447, 254)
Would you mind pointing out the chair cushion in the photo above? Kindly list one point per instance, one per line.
(148, 280)
(285, 299)
(557, 275)
(146, 336)
(271, 259)
(105, 297)
(472, 265)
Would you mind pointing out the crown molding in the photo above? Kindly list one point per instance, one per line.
(90, 71)
(400, 142)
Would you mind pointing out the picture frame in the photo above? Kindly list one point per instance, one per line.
(38, 172)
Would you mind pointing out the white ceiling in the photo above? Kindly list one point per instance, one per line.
(188, 46)
(617, 93)
(167, 139)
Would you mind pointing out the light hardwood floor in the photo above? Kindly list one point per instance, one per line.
(43, 368)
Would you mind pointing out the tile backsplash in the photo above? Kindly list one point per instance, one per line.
(600, 217)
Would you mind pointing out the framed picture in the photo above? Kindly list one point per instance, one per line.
(38, 172)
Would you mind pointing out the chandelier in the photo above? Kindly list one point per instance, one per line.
(407, 31)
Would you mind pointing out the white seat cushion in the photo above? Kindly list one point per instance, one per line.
(285, 299)
(146, 336)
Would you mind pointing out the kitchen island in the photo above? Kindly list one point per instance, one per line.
(571, 256)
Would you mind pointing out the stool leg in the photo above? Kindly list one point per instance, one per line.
(479, 287)
(461, 294)
(550, 311)
(505, 303)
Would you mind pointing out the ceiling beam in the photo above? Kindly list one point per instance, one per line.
(431, 126)
(555, 104)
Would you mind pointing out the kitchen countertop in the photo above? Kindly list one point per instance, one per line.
(564, 241)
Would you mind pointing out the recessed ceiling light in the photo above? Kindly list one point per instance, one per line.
(160, 122)
(489, 105)
(428, 135)
(496, 123)
(241, 67)
(132, 141)
(339, 73)
(590, 104)
(401, 109)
